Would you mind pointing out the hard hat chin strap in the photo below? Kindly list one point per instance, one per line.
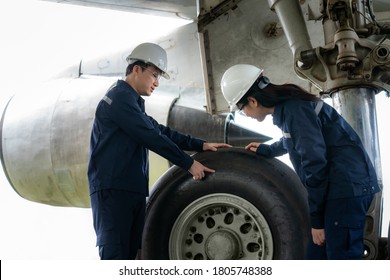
(263, 83)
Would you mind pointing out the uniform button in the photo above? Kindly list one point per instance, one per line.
(364, 190)
(336, 223)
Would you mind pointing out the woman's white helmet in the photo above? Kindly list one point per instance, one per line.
(152, 54)
(237, 80)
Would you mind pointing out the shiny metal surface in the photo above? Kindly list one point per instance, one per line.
(213, 128)
(357, 106)
(294, 26)
(45, 140)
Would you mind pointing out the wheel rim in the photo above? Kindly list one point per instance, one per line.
(220, 226)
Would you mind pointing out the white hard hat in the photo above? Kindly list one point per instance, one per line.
(237, 80)
(152, 54)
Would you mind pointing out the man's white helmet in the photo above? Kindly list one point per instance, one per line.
(237, 80)
(152, 54)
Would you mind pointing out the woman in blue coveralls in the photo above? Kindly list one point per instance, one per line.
(325, 151)
(118, 169)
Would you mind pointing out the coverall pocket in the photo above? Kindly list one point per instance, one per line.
(350, 221)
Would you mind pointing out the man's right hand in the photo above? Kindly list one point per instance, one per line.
(198, 170)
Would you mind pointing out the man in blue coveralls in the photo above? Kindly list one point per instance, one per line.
(118, 169)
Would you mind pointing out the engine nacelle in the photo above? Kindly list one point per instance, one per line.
(45, 140)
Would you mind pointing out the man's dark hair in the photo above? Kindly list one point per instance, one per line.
(130, 67)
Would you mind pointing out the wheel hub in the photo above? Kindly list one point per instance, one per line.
(222, 245)
(220, 226)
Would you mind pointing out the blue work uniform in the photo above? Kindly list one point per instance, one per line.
(329, 158)
(118, 169)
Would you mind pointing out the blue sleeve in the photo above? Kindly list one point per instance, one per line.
(274, 150)
(309, 144)
(140, 128)
(185, 142)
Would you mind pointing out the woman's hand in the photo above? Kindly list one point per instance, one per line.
(252, 146)
(318, 236)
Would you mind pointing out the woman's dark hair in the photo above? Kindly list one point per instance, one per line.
(275, 94)
(130, 67)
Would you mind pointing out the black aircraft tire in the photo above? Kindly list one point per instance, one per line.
(248, 195)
